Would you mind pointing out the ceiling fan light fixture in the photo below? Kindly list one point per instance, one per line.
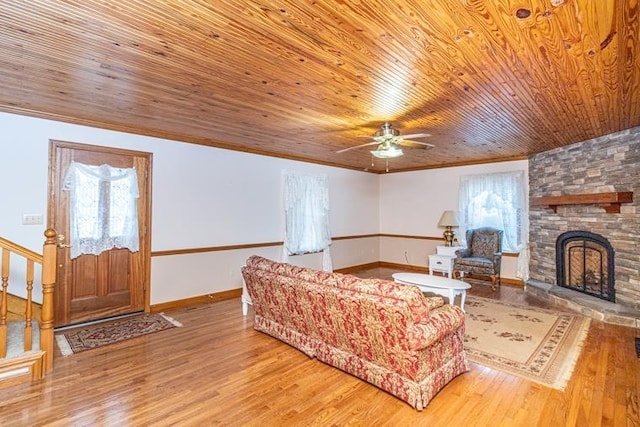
(387, 153)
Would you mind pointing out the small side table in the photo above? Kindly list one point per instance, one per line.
(442, 260)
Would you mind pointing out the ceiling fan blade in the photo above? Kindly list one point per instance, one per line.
(415, 144)
(357, 146)
(415, 135)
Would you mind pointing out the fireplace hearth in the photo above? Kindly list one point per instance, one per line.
(585, 263)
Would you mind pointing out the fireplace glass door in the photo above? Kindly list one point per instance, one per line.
(585, 264)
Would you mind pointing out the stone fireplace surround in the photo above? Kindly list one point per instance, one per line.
(606, 164)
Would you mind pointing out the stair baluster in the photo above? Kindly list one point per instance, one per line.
(35, 364)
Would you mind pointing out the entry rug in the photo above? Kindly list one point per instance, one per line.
(534, 343)
(94, 336)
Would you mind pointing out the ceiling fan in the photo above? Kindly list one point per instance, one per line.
(388, 141)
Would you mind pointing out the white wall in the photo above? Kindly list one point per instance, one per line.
(202, 197)
(205, 197)
(411, 203)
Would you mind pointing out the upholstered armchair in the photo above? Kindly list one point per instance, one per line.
(482, 256)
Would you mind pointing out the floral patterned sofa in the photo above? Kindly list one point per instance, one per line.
(385, 333)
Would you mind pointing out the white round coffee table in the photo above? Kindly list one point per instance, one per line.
(437, 284)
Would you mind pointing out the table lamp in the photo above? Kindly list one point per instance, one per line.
(448, 220)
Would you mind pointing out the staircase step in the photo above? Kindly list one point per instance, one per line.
(15, 339)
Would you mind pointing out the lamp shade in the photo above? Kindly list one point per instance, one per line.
(449, 219)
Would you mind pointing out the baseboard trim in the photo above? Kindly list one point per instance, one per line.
(201, 299)
(404, 267)
(382, 264)
(518, 283)
(416, 268)
(237, 293)
(354, 268)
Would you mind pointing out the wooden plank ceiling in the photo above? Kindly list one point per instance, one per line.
(489, 80)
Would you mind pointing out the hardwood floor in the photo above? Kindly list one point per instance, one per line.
(216, 370)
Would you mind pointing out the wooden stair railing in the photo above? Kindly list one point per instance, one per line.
(44, 364)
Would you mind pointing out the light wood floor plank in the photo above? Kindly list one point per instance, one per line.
(217, 370)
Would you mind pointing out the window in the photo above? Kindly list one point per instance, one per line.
(494, 200)
(306, 205)
(103, 208)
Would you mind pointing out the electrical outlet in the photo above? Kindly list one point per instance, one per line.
(32, 219)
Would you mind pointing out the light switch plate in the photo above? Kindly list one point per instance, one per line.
(32, 219)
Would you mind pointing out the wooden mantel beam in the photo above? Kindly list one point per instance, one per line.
(610, 201)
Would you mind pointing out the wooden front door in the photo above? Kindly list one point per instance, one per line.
(115, 282)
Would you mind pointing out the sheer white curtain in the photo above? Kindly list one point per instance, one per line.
(306, 206)
(103, 208)
(495, 200)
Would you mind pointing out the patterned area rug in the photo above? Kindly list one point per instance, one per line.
(99, 335)
(537, 344)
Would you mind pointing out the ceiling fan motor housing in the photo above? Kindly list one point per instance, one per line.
(386, 132)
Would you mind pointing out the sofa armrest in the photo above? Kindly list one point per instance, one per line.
(463, 253)
(433, 302)
(442, 322)
(497, 258)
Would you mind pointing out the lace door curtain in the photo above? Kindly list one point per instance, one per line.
(103, 208)
(306, 206)
(494, 200)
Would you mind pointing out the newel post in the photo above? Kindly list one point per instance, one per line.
(49, 254)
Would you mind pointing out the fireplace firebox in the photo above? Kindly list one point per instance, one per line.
(585, 263)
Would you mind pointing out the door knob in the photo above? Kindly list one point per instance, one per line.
(61, 243)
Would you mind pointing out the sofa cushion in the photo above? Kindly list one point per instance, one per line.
(411, 294)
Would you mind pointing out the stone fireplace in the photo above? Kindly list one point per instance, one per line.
(585, 263)
(567, 187)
